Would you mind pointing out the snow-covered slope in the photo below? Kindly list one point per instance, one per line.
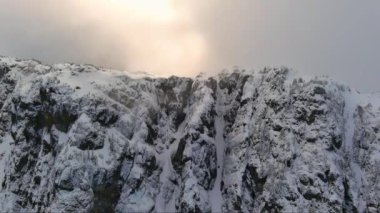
(84, 139)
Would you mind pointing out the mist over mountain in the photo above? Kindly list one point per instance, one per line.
(78, 138)
(183, 38)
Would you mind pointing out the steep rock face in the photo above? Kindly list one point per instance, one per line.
(283, 142)
(84, 139)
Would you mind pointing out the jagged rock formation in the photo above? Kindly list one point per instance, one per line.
(85, 139)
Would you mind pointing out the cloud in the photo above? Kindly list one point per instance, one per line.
(123, 34)
(185, 37)
(315, 37)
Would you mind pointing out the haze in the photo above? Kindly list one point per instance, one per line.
(169, 37)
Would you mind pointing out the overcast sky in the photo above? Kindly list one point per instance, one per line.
(316, 37)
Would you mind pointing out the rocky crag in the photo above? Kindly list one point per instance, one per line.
(76, 138)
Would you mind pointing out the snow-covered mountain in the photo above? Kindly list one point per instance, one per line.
(84, 139)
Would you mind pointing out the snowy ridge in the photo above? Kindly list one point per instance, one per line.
(87, 139)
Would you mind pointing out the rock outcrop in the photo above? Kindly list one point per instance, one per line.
(76, 138)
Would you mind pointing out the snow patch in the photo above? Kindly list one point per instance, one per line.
(215, 195)
(5, 151)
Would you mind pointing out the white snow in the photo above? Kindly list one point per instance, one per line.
(215, 195)
(165, 161)
(5, 151)
(160, 193)
(207, 101)
(353, 100)
(167, 169)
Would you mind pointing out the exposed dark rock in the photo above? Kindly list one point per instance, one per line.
(180, 116)
(177, 159)
(254, 182)
(106, 117)
(310, 195)
(152, 134)
(271, 207)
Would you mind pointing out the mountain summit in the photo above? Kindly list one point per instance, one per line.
(76, 138)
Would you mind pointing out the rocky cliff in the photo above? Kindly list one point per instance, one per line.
(76, 138)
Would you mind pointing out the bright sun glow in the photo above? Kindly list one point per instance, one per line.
(156, 9)
(159, 33)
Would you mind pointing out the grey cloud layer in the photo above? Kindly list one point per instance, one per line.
(337, 38)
